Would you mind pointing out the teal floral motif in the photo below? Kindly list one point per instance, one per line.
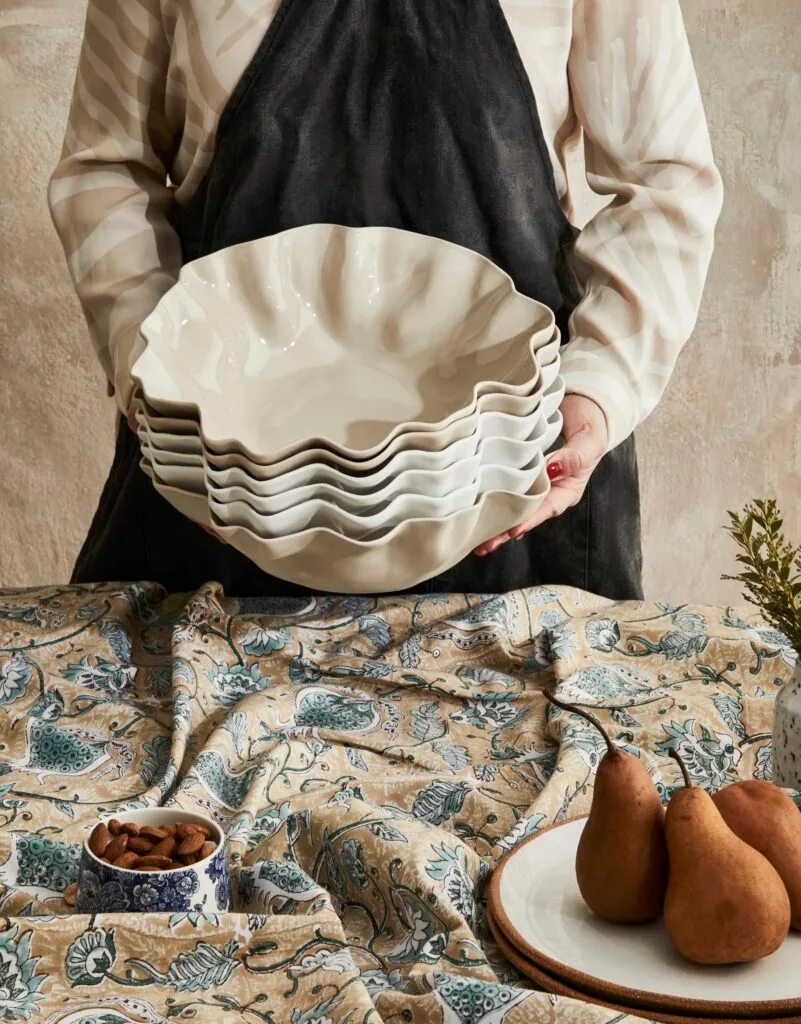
(156, 759)
(236, 725)
(90, 957)
(377, 632)
(454, 755)
(421, 942)
(228, 787)
(599, 684)
(322, 708)
(230, 683)
(479, 676)
(711, 760)
(439, 801)
(203, 968)
(67, 751)
(353, 861)
(267, 823)
(470, 1001)
(261, 641)
(763, 767)
(554, 643)
(194, 917)
(602, 634)
(690, 622)
(118, 640)
(449, 868)
(523, 829)
(426, 722)
(49, 707)
(45, 863)
(19, 982)
(730, 710)
(378, 981)
(95, 673)
(304, 670)
(490, 710)
(15, 674)
(541, 595)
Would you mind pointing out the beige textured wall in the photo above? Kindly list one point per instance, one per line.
(726, 431)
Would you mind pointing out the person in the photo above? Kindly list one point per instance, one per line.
(195, 126)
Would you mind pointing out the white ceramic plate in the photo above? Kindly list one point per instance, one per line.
(346, 335)
(538, 894)
(414, 551)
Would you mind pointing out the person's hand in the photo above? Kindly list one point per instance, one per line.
(569, 467)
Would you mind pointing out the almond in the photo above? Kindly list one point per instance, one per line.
(140, 845)
(153, 833)
(185, 829)
(126, 860)
(71, 894)
(130, 828)
(152, 861)
(169, 829)
(117, 846)
(207, 849)
(166, 848)
(191, 844)
(99, 840)
(115, 827)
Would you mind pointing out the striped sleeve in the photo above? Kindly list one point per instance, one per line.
(109, 195)
(643, 259)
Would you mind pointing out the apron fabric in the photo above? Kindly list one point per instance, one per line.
(415, 114)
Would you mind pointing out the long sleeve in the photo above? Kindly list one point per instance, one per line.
(642, 260)
(109, 195)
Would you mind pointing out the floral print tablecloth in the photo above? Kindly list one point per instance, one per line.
(369, 760)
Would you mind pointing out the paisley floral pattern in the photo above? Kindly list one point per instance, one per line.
(370, 761)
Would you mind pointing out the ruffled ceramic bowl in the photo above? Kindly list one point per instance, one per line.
(191, 472)
(327, 336)
(182, 434)
(416, 550)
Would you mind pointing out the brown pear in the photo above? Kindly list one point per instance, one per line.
(621, 860)
(725, 902)
(765, 817)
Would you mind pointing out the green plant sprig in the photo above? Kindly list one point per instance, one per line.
(772, 575)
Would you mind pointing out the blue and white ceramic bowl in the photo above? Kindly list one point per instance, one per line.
(104, 889)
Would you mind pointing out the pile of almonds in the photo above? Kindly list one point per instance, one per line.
(151, 848)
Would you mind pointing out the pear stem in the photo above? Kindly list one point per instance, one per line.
(586, 715)
(688, 782)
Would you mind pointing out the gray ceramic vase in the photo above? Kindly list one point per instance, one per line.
(787, 733)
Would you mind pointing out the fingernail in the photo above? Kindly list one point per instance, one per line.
(517, 533)
(555, 470)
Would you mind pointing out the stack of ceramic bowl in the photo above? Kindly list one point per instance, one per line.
(355, 409)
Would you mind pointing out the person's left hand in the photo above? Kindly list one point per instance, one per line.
(569, 468)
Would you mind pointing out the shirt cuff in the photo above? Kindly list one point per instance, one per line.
(598, 376)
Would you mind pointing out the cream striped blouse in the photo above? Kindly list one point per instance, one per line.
(154, 76)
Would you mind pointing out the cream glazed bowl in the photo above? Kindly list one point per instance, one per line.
(513, 418)
(181, 431)
(328, 336)
(416, 550)
(538, 432)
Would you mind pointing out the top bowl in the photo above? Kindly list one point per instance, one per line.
(327, 336)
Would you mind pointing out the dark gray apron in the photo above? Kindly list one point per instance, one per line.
(415, 114)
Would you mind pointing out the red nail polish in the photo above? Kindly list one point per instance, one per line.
(555, 470)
